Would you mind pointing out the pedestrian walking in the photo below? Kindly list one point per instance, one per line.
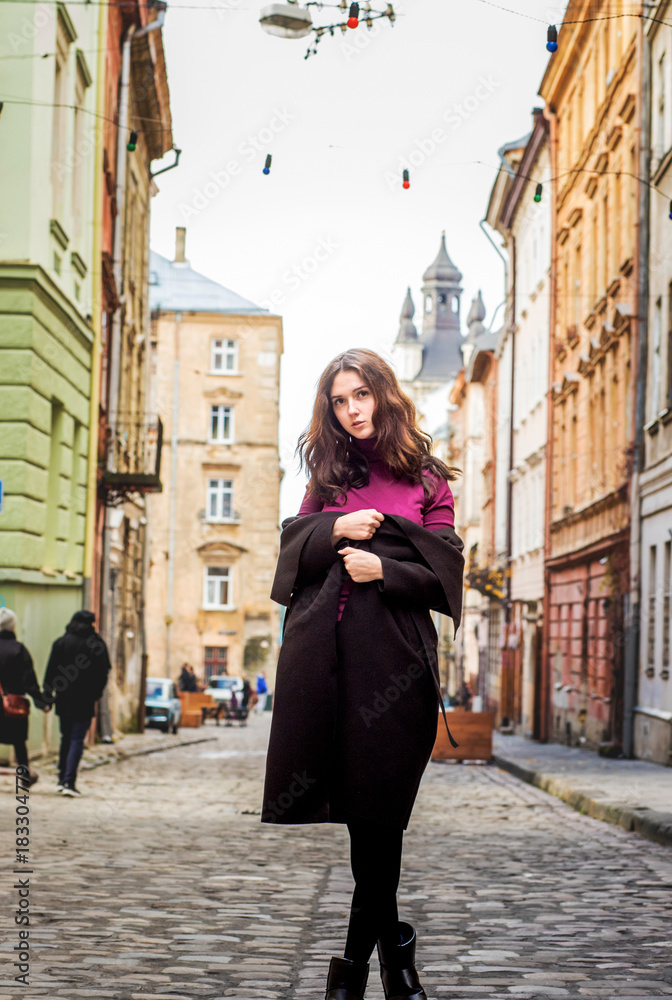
(262, 692)
(75, 679)
(17, 679)
(246, 693)
(370, 552)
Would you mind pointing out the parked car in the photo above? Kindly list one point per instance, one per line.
(163, 707)
(221, 687)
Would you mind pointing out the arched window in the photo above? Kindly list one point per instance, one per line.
(428, 303)
(454, 303)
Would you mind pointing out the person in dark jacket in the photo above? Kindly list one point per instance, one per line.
(75, 679)
(371, 552)
(17, 676)
(187, 679)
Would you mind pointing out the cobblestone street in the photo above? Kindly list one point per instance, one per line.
(162, 883)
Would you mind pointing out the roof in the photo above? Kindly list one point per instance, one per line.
(407, 331)
(176, 287)
(443, 268)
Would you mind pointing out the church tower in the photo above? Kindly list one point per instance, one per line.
(441, 338)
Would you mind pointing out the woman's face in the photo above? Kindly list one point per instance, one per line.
(353, 404)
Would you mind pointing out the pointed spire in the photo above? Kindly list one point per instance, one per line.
(407, 331)
(476, 317)
(443, 268)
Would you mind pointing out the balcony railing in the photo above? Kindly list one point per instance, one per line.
(134, 459)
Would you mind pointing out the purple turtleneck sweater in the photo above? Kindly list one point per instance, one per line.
(388, 495)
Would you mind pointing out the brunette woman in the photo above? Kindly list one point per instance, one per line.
(370, 552)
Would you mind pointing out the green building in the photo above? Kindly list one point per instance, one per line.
(47, 300)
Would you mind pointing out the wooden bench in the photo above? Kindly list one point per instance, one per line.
(471, 730)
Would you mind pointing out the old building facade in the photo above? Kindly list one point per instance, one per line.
(653, 709)
(129, 433)
(524, 225)
(214, 529)
(473, 399)
(591, 90)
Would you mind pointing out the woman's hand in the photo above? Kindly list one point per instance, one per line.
(361, 565)
(360, 524)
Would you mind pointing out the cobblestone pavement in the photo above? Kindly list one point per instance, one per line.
(162, 883)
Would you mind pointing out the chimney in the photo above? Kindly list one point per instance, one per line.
(180, 240)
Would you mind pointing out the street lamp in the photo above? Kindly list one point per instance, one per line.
(289, 20)
(286, 20)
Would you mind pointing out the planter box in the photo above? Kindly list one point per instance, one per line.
(192, 718)
(473, 732)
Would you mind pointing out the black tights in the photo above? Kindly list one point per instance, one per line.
(375, 858)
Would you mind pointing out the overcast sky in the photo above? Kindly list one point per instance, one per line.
(338, 125)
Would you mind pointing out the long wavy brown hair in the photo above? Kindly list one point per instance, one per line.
(331, 456)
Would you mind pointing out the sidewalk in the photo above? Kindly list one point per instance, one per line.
(632, 794)
(124, 746)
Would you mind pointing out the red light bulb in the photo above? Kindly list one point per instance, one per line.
(353, 19)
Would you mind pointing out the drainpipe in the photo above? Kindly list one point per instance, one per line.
(545, 717)
(173, 491)
(632, 615)
(91, 595)
(508, 657)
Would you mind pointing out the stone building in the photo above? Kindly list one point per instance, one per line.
(653, 708)
(525, 227)
(129, 435)
(47, 331)
(214, 530)
(591, 88)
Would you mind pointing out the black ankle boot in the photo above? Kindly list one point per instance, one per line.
(346, 980)
(397, 967)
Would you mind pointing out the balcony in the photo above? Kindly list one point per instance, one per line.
(134, 460)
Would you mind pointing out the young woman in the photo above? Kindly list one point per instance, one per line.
(370, 552)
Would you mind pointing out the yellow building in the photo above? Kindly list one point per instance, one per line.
(591, 89)
(214, 529)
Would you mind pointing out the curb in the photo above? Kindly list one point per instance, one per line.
(142, 752)
(115, 757)
(648, 823)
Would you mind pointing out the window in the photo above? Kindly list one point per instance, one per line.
(660, 144)
(59, 121)
(577, 287)
(220, 499)
(667, 611)
(654, 399)
(604, 277)
(217, 589)
(77, 180)
(224, 356)
(215, 661)
(669, 345)
(428, 303)
(454, 303)
(442, 302)
(651, 624)
(221, 424)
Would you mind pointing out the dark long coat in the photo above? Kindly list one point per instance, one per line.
(17, 676)
(356, 703)
(77, 670)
